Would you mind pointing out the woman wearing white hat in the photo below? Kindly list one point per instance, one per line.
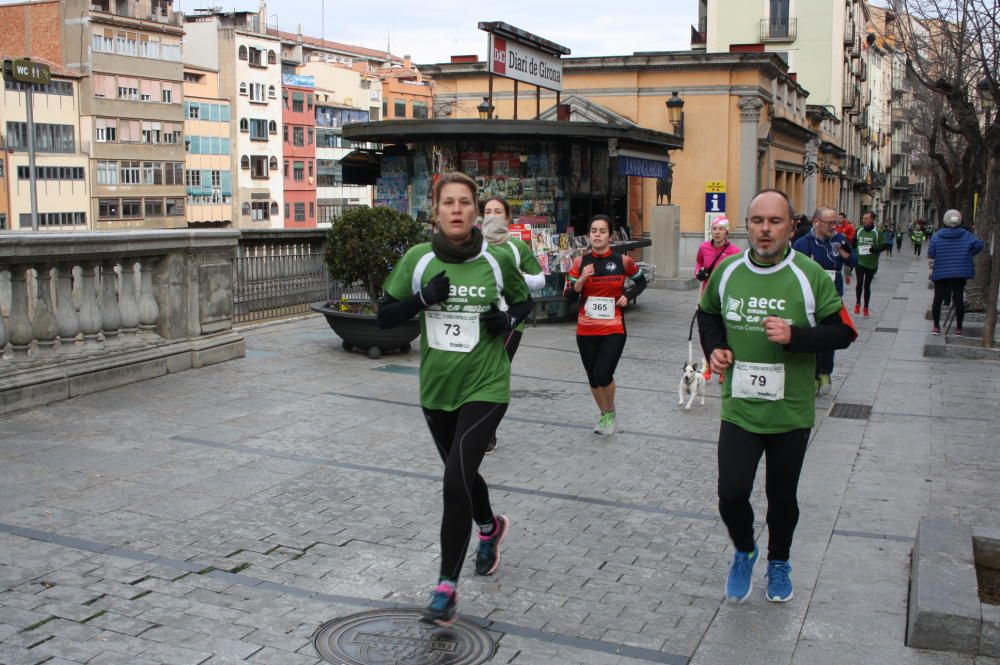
(951, 250)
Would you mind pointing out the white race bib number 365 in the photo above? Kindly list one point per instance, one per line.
(600, 308)
(758, 381)
(452, 331)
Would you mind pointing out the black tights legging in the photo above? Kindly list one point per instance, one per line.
(600, 355)
(944, 288)
(461, 437)
(739, 455)
(511, 342)
(865, 277)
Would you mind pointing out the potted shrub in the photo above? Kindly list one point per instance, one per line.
(362, 245)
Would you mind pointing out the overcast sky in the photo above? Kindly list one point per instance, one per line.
(432, 32)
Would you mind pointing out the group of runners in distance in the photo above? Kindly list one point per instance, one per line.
(764, 317)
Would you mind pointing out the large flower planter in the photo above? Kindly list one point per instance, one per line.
(360, 331)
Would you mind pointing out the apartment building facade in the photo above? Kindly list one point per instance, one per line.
(827, 48)
(61, 169)
(236, 44)
(131, 117)
(208, 168)
(298, 135)
(405, 91)
(343, 95)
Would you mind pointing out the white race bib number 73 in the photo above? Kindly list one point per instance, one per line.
(452, 331)
(758, 381)
(600, 308)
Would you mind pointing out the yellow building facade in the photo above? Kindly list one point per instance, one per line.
(746, 126)
(208, 164)
(62, 170)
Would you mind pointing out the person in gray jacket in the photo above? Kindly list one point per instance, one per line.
(951, 250)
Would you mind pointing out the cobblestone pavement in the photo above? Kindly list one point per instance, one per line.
(221, 515)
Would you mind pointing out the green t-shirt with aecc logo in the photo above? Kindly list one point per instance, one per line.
(524, 258)
(743, 293)
(460, 362)
(870, 242)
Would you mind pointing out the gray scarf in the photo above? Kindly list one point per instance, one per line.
(450, 253)
(495, 230)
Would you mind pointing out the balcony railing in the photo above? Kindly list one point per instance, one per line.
(778, 29)
(851, 94)
(280, 272)
(699, 34)
(850, 29)
(902, 182)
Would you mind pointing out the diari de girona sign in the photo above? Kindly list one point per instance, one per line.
(524, 63)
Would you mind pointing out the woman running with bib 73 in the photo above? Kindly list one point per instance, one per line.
(469, 295)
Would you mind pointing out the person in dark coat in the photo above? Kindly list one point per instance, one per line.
(951, 250)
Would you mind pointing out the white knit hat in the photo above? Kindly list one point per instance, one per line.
(952, 218)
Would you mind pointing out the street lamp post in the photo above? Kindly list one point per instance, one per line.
(675, 113)
(485, 109)
(986, 100)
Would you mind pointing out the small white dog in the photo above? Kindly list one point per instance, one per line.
(692, 384)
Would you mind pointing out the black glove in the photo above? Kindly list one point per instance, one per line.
(436, 290)
(702, 275)
(496, 322)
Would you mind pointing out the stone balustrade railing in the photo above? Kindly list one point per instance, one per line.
(86, 311)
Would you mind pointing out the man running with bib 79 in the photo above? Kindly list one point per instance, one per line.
(764, 315)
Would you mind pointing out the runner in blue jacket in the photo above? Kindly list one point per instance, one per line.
(832, 251)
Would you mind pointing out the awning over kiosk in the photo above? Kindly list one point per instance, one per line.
(405, 131)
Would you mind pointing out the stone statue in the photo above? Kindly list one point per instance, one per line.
(665, 184)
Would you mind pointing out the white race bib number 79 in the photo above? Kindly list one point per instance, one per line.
(600, 308)
(452, 331)
(758, 381)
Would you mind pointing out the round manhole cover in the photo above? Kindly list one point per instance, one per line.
(396, 637)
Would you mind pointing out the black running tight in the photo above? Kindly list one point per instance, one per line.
(739, 455)
(511, 342)
(600, 355)
(865, 277)
(461, 437)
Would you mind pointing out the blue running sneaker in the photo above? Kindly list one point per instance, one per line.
(779, 584)
(740, 579)
(441, 610)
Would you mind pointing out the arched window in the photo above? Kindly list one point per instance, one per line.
(243, 53)
(274, 208)
(272, 58)
(244, 125)
(272, 127)
(271, 93)
(243, 88)
(246, 209)
(244, 162)
(274, 163)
